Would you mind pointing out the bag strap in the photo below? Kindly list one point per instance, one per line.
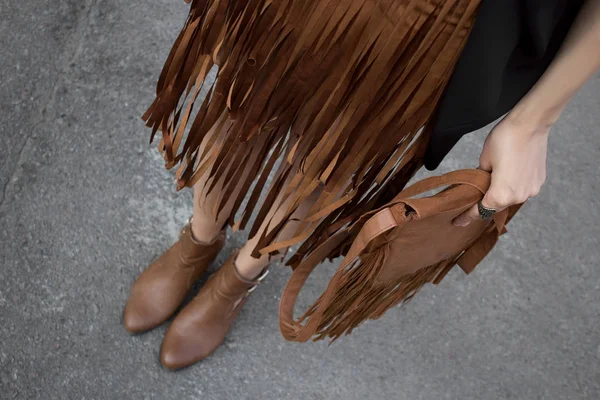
(477, 178)
(379, 223)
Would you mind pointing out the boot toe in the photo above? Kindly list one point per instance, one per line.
(178, 351)
(173, 359)
(133, 321)
(137, 320)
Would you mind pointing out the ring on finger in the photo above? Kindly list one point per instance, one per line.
(485, 212)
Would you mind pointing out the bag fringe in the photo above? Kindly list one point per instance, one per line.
(359, 296)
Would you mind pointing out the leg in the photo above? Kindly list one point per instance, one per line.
(205, 224)
(202, 325)
(250, 267)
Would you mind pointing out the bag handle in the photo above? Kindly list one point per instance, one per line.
(379, 223)
(477, 178)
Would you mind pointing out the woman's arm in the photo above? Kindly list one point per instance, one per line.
(515, 150)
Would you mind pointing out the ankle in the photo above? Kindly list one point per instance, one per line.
(204, 233)
(248, 267)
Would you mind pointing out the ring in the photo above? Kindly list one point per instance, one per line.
(485, 212)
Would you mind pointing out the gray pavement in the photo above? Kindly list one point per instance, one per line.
(85, 205)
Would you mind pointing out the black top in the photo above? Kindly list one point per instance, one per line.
(511, 45)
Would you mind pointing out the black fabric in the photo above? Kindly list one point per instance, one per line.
(511, 45)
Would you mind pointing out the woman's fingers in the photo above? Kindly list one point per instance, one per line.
(465, 218)
(494, 198)
(499, 197)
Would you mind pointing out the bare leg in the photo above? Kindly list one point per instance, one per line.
(206, 227)
(250, 267)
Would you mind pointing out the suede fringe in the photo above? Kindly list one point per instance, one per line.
(338, 89)
(359, 296)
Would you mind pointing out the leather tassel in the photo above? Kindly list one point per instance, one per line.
(340, 89)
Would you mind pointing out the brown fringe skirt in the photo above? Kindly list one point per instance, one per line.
(337, 90)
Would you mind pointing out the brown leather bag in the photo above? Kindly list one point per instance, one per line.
(397, 249)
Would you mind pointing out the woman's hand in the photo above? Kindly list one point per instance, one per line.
(515, 150)
(515, 154)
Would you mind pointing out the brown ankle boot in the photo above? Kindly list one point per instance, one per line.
(201, 326)
(161, 288)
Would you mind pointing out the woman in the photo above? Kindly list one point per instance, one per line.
(330, 97)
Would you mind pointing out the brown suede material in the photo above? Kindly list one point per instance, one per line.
(202, 325)
(161, 288)
(396, 250)
(344, 91)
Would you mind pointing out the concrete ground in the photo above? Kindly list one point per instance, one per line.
(85, 205)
